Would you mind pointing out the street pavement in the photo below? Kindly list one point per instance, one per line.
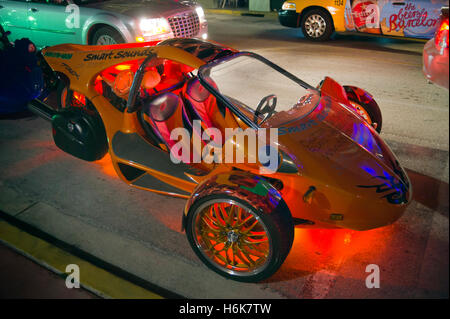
(87, 206)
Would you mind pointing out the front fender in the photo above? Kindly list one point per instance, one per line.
(242, 185)
(120, 24)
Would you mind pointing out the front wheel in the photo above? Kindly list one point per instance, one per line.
(106, 36)
(317, 25)
(236, 240)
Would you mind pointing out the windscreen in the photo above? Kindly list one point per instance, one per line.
(247, 81)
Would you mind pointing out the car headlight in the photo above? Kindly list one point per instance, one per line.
(154, 26)
(201, 14)
(288, 6)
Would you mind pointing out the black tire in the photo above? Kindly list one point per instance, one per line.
(323, 25)
(277, 225)
(372, 109)
(108, 33)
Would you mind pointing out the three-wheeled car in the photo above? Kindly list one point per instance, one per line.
(332, 168)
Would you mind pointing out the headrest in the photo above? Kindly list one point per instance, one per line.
(162, 107)
(150, 79)
(122, 82)
(198, 92)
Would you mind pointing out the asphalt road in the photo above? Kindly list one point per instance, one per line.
(85, 204)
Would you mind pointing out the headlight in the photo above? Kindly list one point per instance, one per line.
(201, 14)
(154, 26)
(288, 6)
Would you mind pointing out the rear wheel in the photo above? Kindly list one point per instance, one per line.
(317, 25)
(236, 240)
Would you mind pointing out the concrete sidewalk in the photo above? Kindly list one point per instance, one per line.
(34, 264)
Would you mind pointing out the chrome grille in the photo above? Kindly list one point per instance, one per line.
(185, 25)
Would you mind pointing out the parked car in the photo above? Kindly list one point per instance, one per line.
(400, 18)
(435, 53)
(333, 170)
(22, 79)
(51, 22)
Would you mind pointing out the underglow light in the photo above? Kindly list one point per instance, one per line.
(122, 67)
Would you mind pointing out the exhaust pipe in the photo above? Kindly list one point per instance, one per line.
(41, 109)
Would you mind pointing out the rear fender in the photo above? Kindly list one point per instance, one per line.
(242, 185)
(109, 20)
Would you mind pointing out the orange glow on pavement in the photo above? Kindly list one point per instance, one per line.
(319, 249)
(107, 166)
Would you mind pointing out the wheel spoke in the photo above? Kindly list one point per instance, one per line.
(231, 215)
(255, 252)
(245, 221)
(217, 213)
(256, 222)
(211, 227)
(254, 242)
(243, 258)
(232, 237)
(239, 216)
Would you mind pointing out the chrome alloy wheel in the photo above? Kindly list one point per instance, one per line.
(232, 237)
(105, 39)
(315, 25)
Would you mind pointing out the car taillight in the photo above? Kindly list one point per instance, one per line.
(441, 36)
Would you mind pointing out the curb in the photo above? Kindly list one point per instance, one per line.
(96, 276)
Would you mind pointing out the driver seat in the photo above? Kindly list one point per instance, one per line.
(164, 113)
(204, 106)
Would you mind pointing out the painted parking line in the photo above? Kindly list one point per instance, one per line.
(94, 274)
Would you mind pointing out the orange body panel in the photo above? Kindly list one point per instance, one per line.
(347, 191)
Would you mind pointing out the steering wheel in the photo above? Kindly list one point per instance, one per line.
(265, 107)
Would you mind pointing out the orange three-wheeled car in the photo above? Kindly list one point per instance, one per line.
(332, 168)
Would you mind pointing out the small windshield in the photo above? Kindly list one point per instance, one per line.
(248, 81)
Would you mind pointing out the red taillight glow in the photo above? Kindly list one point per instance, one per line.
(441, 36)
(80, 98)
(121, 67)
